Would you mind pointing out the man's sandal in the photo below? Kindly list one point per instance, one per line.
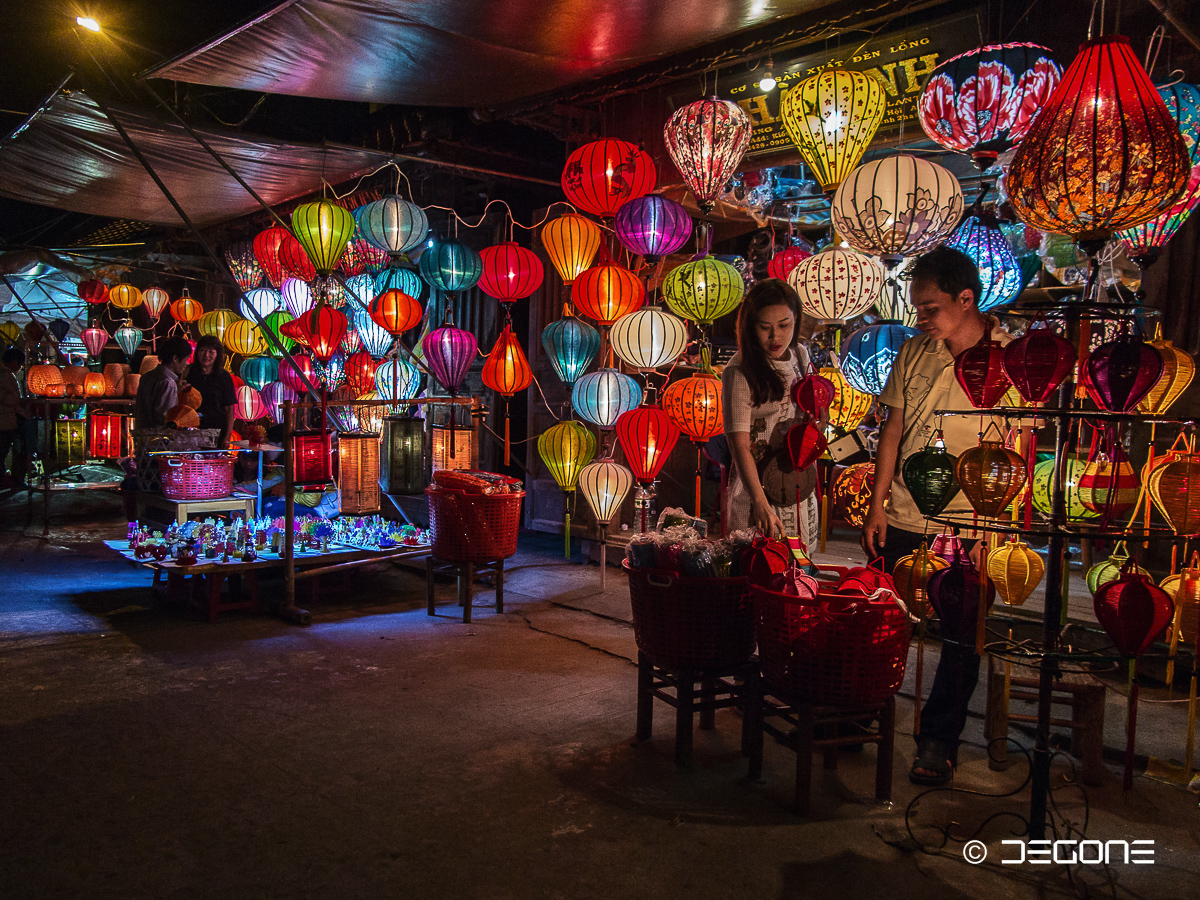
(933, 760)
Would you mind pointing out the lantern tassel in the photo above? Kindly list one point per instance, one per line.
(507, 441)
(919, 679)
(1130, 727)
(567, 535)
(981, 617)
(699, 463)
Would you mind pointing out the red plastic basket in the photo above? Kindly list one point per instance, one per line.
(473, 527)
(195, 479)
(691, 623)
(833, 651)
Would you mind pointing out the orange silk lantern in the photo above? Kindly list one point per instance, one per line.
(506, 371)
(694, 407)
(605, 293)
(395, 311)
(186, 309)
(990, 476)
(571, 242)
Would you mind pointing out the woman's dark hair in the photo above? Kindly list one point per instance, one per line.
(174, 347)
(14, 355)
(765, 383)
(951, 270)
(211, 342)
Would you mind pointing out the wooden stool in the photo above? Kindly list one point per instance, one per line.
(816, 727)
(466, 573)
(1086, 699)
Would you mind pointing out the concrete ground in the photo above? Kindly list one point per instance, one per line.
(384, 753)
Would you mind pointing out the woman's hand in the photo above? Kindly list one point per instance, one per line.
(763, 517)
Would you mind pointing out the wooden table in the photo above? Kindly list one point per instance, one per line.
(181, 509)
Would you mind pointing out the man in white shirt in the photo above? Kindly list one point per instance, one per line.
(158, 391)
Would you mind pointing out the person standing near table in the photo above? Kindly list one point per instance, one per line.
(12, 411)
(158, 391)
(945, 292)
(218, 399)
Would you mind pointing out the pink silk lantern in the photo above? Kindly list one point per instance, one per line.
(250, 405)
(785, 260)
(1122, 372)
(449, 352)
(95, 339)
(291, 370)
(980, 372)
(1038, 362)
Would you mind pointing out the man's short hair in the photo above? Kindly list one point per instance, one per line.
(174, 348)
(951, 270)
(14, 355)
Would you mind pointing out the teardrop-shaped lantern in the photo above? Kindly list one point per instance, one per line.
(598, 177)
(323, 229)
(186, 309)
(92, 291)
(707, 140)
(604, 396)
(1133, 611)
(831, 118)
(647, 438)
(1121, 373)
(911, 576)
(450, 266)
(297, 296)
(648, 338)
(930, 479)
(1016, 571)
(259, 371)
(396, 311)
(836, 285)
(703, 290)
(849, 405)
(652, 226)
(510, 272)
(1178, 370)
(155, 300)
(324, 328)
(244, 338)
(1103, 153)
(399, 278)
(449, 352)
(990, 476)
(268, 247)
(605, 485)
(980, 372)
(1038, 362)
(245, 268)
(608, 292)
(694, 406)
(128, 338)
(571, 242)
(393, 224)
(295, 370)
(869, 354)
(981, 239)
(263, 301)
(506, 370)
(397, 379)
(571, 344)
(374, 339)
(95, 339)
(1174, 486)
(360, 372)
(783, 262)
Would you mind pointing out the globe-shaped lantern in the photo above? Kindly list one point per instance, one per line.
(375, 338)
(608, 292)
(1043, 477)
(244, 337)
(571, 242)
(1133, 611)
(510, 272)
(297, 296)
(245, 268)
(869, 354)
(506, 370)
(1103, 153)
(352, 262)
(648, 338)
(652, 226)
(268, 247)
(263, 301)
(275, 322)
(449, 352)
(897, 206)
(128, 338)
(785, 260)
(831, 118)
(571, 344)
(360, 372)
(707, 140)
(216, 323)
(395, 311)
(274, 395)
(361, 288)
(930, 479)
(323, 229)
(155, 300)
(124, 296)
(92, 291)
(1120, 373)
(393, 224)
(703, 290)
(566, 448)
(296, 370)
(600, 176)
(398, 278)
(250, 405)
(397, 379)
(694, 406)
(647, 438)
(324, 329)
(836, 285)
(605, 485)
(450, 266)
(45, 380)
(186, 308)
(95, 339)
(1038, 362)
(849, 405)
(259, 371)
(981, 239)
(603, 397)
(990, 476)
(982, 102)
(1178, 370)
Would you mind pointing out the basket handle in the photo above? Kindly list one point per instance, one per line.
(174, 463)
(651, 579)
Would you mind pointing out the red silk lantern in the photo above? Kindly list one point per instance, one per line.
(294, 329)
(395, 311)
(507, 371)
(108, 436)
(295, 259)
(267, 250)
(867, 580)
(324, 328)
(360, 372)
(1133, 611)
(805, 444)
(600, 176)
(311, 458)
(785, 260)
(291, 372)
(95, 339)
(1120, 373)
(980, 372)
(813, 393)
(510, 272)
(990, 476)
(1038, 362)
(647, 438)
(92, 291)
(605, 293)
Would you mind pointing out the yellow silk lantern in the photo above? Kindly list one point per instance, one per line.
(1174, 486)
(849, 405)
(911, 575)
(216, 323)
(245, 338)
(124, 296)
(323, 230)
(1178, 370)
(571, 242)
(1016, 571)
(566, 448)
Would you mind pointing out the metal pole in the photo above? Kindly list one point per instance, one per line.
(289, 610)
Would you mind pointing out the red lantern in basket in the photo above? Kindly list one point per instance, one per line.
(395, 311)
(291, 370)
(990, 476)
(510, 272)
(324, 328)
(600, 176)
(92, 291)
(867, 580)
(107, 436)
(980, 372)
(647, 438)
(764, 559)
(1038, 362)
(360, 372)
(813, 393)
(1122, 372)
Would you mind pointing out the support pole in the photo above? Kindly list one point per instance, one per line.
(289, 610)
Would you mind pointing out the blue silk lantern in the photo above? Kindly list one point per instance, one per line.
(451, 266)
(397, 379)
(332, 371)
(362, 288)
(259, 371)
(652, 226)
(406, 281)
(264, 301)
(981, 239)
(868, 355)
(571, 344)
(375, 338)
(603, 397)
(392, 224)
(59, 328)
(128, 338)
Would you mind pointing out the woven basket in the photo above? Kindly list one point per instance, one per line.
(473, 527)
(195, 479)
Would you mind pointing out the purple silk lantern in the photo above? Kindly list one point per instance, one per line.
(652, 226)
(275, 395)
(1122, 372)
(449, 353)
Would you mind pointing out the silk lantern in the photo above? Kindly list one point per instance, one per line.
(155, 300)
(1107, 483)
(216, 323)
(247, 271)
(274, 324)
(323, 229)
(510, 272)
(450, 266)
(324, 328)
(598, 177)
(980, 373)
(785, 260)
(1177, 372)
(268, 251)
(982, 102)
(311, 458)
(274, 395)
(1043, 478)
(186, 309)
(332, 375)
(602, 397)
(94, 339)
(259, 371)
(449, 352)
(566, 448)
(1038, 362)
(693, 405)
(869, 354)
(706, 140)
(929, 475)
(897, 206)
(849, 405)
(836, 285)
(295, 259)
(360, 372)
(571, 344)
(506, 371)
(298, 372)
(397, 379)
(297, 296)
(262, 301)
(294, 331)
(571, 241)
(395, 311)
(990, 476)
(250, 406)
(605, 485)
(1133, 611)
(108, 435)
(813, 393)
(124, 296)
(647, 437)
(376, 339)
(980, 238)
(353, 262)
(128, 338)
(831, 118)
(1120, 373)
(398, 278)
(244, 338)
(1015, 570)
(92, 291)
(1174, 486)
(1109, 570)
(703, 290)
(361, 289)
(648, 338)
(367, 415)
(911, 576)
(652, 226)
(393, 224)
(605, 293)
(961, 603)
(851, 494)
(1102, 154)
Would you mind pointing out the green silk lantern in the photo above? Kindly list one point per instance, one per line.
(323, 230)
(703, 290)
(566, 448)
(274, 322)
(1043, 476)
(1103, 573)
(259, 371)
(929, 477)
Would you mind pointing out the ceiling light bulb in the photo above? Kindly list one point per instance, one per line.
(767, 82)
(88, 22)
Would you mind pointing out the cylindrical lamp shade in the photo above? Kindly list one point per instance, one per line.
(706, 140)
(703, 290)
(870, 353)
(897, 206)
(263, 301)
(647, 438)
(990, 477)
(108, 436)
(70, 443)
(694, 406)
(402, 456)
(510, 272)
(395, 311)
(648, 338)
(311, 458)
(836, 285)
(124, 296)
(245, 268)
(397, 379)
(566, 448)
(605, 485)
(358, 474)
(600, 176)
(982, 240)
(571, 344)
(571, 242)
(450, 266)
(605, 293)
(506, 370)
(449, 353)
(831, 118)
(369, 416)
(652, 226)
(393, 224)
(603, 397)
(259, 371)
(445, 439)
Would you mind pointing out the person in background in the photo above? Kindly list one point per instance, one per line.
(12, 411)
(765, 491)
(158, 391)
(945, 292)
(218, 399)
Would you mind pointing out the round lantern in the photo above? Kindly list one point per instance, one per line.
(1174, 486)
(323, 229)
(981, 239)
(186, 309)
(94, 384)
(41, 379)
(244, 337)
(124, 296)
(851, 494)
(1109, 486)
(259, 371)
(1103, 152)
(990, 476)
(368, 416)
(449, 352)
(982, 102)
(92, 291)
(510, 272)
(600, 176)
(250, 405)
(450, 266)
(1133, 611)
(1109, 570)
(324, 328)
(393, 224)
(703, 290)
(605, 485)
(648, 338)
(1120, 373)
(980, 373)
(706, 140)
(694, 406)
(930, 479)
(566, 448)
(9, 332)
(95, 339)
(397, 379)
(602, 397)
(376, 339)
(647, 437)
(831, 118)
(361, 288)
(245, 268)
(1038, 362)
(911, 576)
(571, 344)
(506, 370)
(268, 247)
(275, 322)
(785, 260)
(605, 293)
(263, 301)
(1016, 571)
(1177, 372)
(156, 300)
(897, 206)
(836, 285)
(297, 296)
(397, 278)
(216, 323)
(73, 378)
(128, 338)
(296, 370)
(274, 395)
(813, 393)
(652, 226)
(849, 405)
(1043, 475)
(869, 354)
(571, 242)
(295, 259)
(395, 311)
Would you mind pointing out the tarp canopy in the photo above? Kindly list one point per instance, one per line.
(458, 52)
(44, 292)
(69, 156)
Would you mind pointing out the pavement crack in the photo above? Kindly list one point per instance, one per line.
(574, 640)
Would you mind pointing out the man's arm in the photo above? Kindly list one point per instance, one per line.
(874, 532)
